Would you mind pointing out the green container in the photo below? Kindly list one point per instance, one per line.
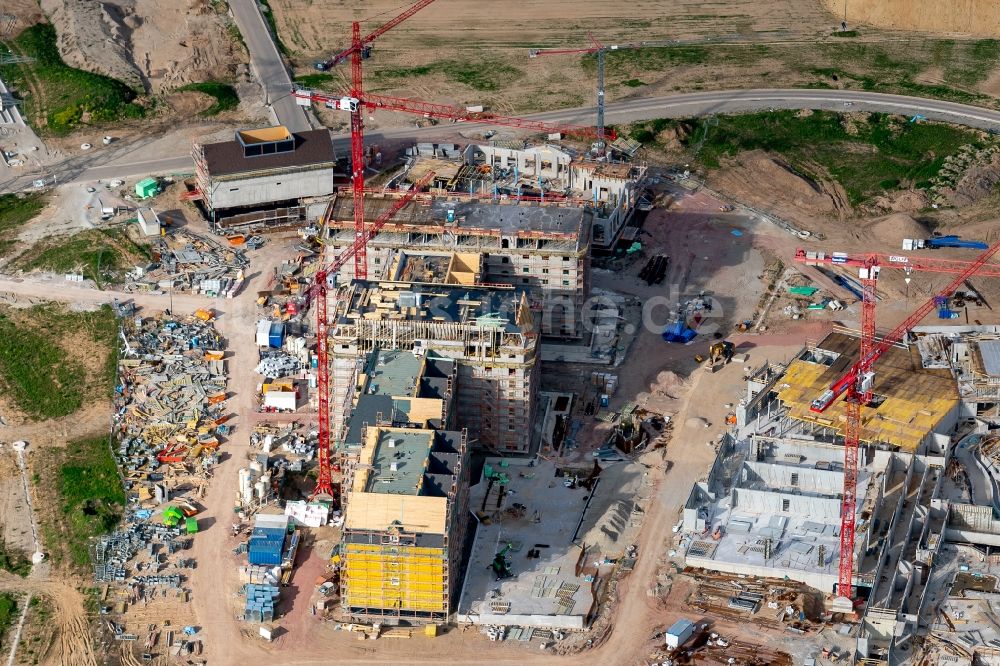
(147, 187)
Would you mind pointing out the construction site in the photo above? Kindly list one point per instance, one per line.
(555, 388)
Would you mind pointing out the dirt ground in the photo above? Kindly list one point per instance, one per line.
(973, 17)
(148, 44)
(462, 32)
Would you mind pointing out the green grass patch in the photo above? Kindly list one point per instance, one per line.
(45, 379)
(15, 211)
(14, 561)
(874, 155)
(224, 94)
(98, 254)
(8, 613)
(90, 498)
(317, 80)
(477, 74)
(845, 33)
(64, 95)
(268, 13)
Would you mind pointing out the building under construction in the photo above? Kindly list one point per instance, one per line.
(928, 471)
(405, 523)
(416, 332)
(542, 248)
(265, 178)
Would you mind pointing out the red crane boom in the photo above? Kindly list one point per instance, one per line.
(900, 261)
(856, 384)
(324, 482)
(373, 35)
(432, 110)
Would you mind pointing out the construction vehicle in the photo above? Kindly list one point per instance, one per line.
(938, 242)
(500, 564)
(857, 383)
(723, 349)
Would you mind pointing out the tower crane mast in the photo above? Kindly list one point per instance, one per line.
(857, 382)
(318, 291)
(355, 102)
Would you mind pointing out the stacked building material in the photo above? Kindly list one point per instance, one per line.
(188, 262)
(170, 403)
(260, 603)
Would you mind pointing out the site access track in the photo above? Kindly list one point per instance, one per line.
(123, 161)
(224, 642)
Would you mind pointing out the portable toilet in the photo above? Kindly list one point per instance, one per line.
(147, 187)
(191, 525)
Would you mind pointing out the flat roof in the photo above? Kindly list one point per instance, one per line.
(393, 373)
(916, 399)
(509, 218)
(990, 351)
(404, 478)
(312, 147)
(264, 135)
(501, 308)
(398, 462)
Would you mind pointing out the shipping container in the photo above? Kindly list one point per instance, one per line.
(276, 336)
(679, 632)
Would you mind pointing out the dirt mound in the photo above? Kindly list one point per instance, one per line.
(976, 17)
(903, 201)
(16, 15)
(772, 184)
(190, 103)
(892, 230)
(976, 184)
(149, 44)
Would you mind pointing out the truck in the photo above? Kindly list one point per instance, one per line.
(939, 242)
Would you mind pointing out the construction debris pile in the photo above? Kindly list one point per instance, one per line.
(170, 408)
(112, 551)
(187, 262)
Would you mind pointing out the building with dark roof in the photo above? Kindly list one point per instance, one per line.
(266, 177)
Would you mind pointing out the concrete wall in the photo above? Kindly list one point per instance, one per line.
(568, 622)
(810, 480)
(256, 191)
(529, 162)
(759, 501)
(820, 581)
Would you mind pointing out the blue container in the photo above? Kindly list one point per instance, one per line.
(276, 336)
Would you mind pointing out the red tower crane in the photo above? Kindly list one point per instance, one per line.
(856, 384)
(355, 102)
(317, 293)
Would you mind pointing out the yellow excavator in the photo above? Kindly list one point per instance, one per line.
(722, 350)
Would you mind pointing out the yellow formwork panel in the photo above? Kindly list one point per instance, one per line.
(914, 403)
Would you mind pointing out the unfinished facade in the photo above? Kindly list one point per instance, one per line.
(611, 189)
(927, 486)
(407, 510)
(543, 248)
(265, 178)
(490, 334)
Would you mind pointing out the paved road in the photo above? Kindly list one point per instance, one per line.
(673, 106)
(268, 66)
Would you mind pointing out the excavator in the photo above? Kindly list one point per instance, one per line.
(721, 350)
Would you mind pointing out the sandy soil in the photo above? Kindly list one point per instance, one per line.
(149, 44)
(25, 13)
(766, 181)
(463, 32)
(974, 17)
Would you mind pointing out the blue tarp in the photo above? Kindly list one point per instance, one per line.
(679, 332)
